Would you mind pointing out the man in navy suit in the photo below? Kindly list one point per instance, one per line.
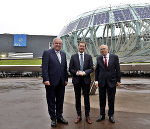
(55, 78)
(107, 77)
(81, 66)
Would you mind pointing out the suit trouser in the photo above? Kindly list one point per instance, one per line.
(111, 91)
(86, 90)
(55, 100)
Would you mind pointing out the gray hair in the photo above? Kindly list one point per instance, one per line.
(56, 39)
(104, 45)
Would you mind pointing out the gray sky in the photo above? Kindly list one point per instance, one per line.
(47, 17)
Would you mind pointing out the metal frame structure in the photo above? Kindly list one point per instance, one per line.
(125, 29)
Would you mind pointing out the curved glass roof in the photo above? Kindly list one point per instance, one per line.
(108, 15)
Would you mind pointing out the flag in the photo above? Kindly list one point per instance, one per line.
(20, 40)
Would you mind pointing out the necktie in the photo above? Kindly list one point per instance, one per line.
(59, 56)
(105, 62)
(81, 62)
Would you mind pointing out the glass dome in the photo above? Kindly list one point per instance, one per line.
(125, 29)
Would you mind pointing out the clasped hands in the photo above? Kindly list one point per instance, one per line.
(81, 73)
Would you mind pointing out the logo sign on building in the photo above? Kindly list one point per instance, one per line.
(20, 40)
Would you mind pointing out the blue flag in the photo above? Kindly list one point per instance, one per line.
(20, 40)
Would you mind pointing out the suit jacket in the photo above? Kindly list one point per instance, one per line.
(74, 66)
(110, 76)
(52, 69)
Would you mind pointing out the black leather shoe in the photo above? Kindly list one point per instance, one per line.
(53, 123)
(101, 117)
(111, 119)
(62, 120)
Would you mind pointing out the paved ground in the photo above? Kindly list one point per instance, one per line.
(23, 106)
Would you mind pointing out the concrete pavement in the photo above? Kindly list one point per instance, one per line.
(23, 106)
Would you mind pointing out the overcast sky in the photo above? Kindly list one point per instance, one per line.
(47, 17)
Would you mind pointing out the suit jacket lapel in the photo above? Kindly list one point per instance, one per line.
(110, 59)
(54, 53)
(102, 62)
(62, 57)
(85, 58)
(78, 62)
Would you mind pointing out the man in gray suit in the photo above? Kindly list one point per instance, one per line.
(107, 77)
(55, 78)
(81, 66)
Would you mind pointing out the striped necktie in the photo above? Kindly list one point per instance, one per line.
(59, 56)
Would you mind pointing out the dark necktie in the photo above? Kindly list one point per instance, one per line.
(105, 62)
(81, 62)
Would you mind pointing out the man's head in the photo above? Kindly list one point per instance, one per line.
(104, 50)
(81, 46)
(57, 43)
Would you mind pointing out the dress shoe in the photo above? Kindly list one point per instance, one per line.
(62, 120)
(101, 117)
(79, 118)
(88, 120)
(111, 119)
(53, 123)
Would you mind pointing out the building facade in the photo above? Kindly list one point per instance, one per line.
(35, 44)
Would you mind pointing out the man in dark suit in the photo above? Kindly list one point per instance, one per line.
(107, 77)
(81, 66)
(55, 78)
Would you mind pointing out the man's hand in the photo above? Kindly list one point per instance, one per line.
(47, 83)
(96, 84)
(66, 83)
(81, 73)
(118, 84)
